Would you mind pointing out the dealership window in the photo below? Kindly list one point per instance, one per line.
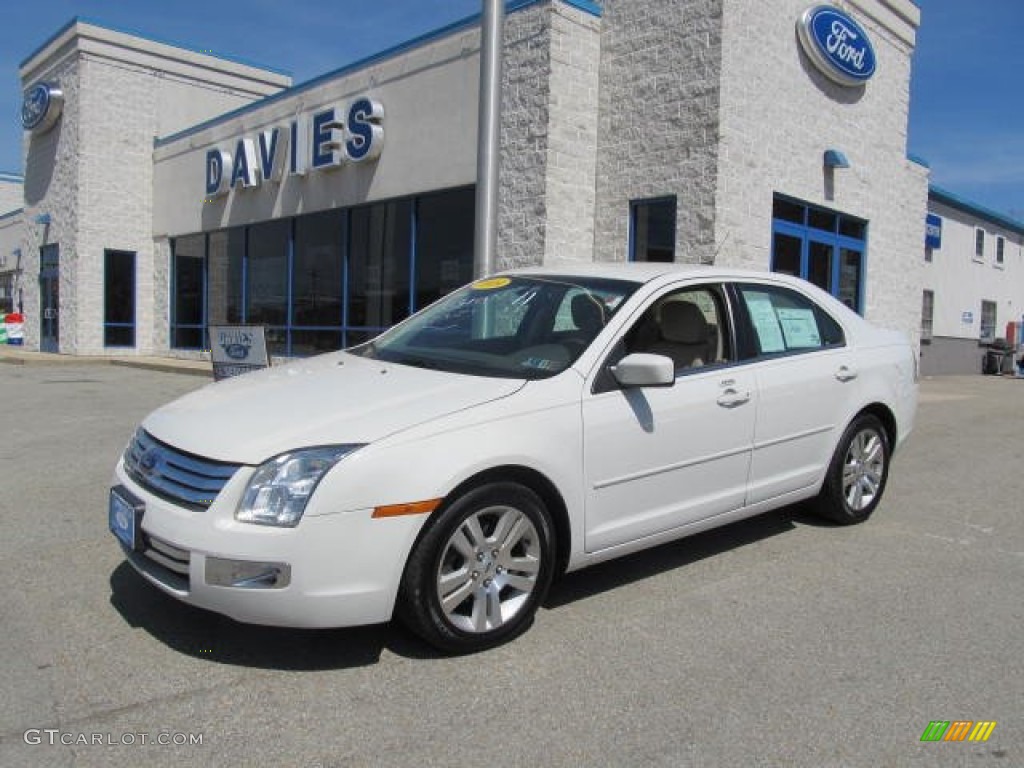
(444, 244)
(1000, 248)
(988, 320)
(188, 291)
(6, 293)
(824, 247)
(118, 298)
(652, 229)
(224, 276)
(927, 316)
(266, 281)
(378, 267)
(327, 280)
(318, 283)
(979, 244)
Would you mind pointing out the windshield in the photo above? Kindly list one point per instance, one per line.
(526, 327)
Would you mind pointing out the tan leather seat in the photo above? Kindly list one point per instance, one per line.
(684, 334)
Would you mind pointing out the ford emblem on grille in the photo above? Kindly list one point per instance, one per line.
(149, 460)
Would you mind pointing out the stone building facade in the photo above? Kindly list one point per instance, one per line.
(88, 183)
(689, 130)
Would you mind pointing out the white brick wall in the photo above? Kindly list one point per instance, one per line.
(658, 125)
(522, 210)
(779, 115)
(93, 171)
(548, 136)
(711, 101)
(12, 195)
(51, 188)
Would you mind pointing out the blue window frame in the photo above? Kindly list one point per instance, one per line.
(824, 247)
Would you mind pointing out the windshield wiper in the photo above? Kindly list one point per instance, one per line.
(418, 362)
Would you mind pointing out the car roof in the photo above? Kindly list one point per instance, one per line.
(645, 272)
(635, 271)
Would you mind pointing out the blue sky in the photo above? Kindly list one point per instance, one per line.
(967, 101)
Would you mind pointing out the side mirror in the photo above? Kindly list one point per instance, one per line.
(641, 369)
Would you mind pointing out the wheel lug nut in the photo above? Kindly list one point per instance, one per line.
(476, 574)
(487, 582)
(479, 557)
(494, 553)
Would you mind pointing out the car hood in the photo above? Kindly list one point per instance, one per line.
(331, 399)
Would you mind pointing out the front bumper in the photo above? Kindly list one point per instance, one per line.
(343, 569)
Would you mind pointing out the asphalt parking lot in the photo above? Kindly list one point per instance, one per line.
(779, 641)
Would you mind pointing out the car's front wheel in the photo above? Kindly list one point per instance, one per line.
(858, 472)
(480, 570)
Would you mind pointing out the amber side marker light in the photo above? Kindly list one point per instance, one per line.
(411, 508)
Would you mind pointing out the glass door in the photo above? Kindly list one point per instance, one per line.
(49, 298)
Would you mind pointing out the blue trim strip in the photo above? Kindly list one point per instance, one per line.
(12, 176)
(143, 36)
(940, 195)
(918, 160)
(12, 214)
(593, 8)
(429, 37)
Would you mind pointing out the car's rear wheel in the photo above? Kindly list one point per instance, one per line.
(480, 570)
(858, 472)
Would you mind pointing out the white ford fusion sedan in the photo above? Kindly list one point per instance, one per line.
(527, 424)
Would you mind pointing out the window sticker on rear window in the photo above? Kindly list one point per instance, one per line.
(762, 315)
(800, 328)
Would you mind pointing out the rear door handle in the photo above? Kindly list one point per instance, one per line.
(731, 398)
(845, 373)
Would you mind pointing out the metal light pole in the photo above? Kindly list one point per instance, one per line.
(485, 243)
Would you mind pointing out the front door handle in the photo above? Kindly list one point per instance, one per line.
(731, 398)
(845, 373)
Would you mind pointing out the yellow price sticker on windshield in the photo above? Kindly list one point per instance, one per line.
(491, 284)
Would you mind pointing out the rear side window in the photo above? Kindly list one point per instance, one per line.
(786, 322)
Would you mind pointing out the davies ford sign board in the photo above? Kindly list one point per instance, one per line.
(837, 45)
(237, 349)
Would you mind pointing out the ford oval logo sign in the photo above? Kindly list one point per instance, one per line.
(41, 106)
(837, 45)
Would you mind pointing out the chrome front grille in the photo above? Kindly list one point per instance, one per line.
(175, 475)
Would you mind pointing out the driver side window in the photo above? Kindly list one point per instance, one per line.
(689, 326)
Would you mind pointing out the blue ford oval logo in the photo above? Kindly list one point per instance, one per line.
(236, 351)
(149, 460)
(837, 45)
(41, 107)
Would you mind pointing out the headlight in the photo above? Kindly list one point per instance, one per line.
(277, 494)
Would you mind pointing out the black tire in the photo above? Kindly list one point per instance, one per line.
(491, 554)
(857, 473)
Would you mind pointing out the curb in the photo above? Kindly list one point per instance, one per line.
(169, 365)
